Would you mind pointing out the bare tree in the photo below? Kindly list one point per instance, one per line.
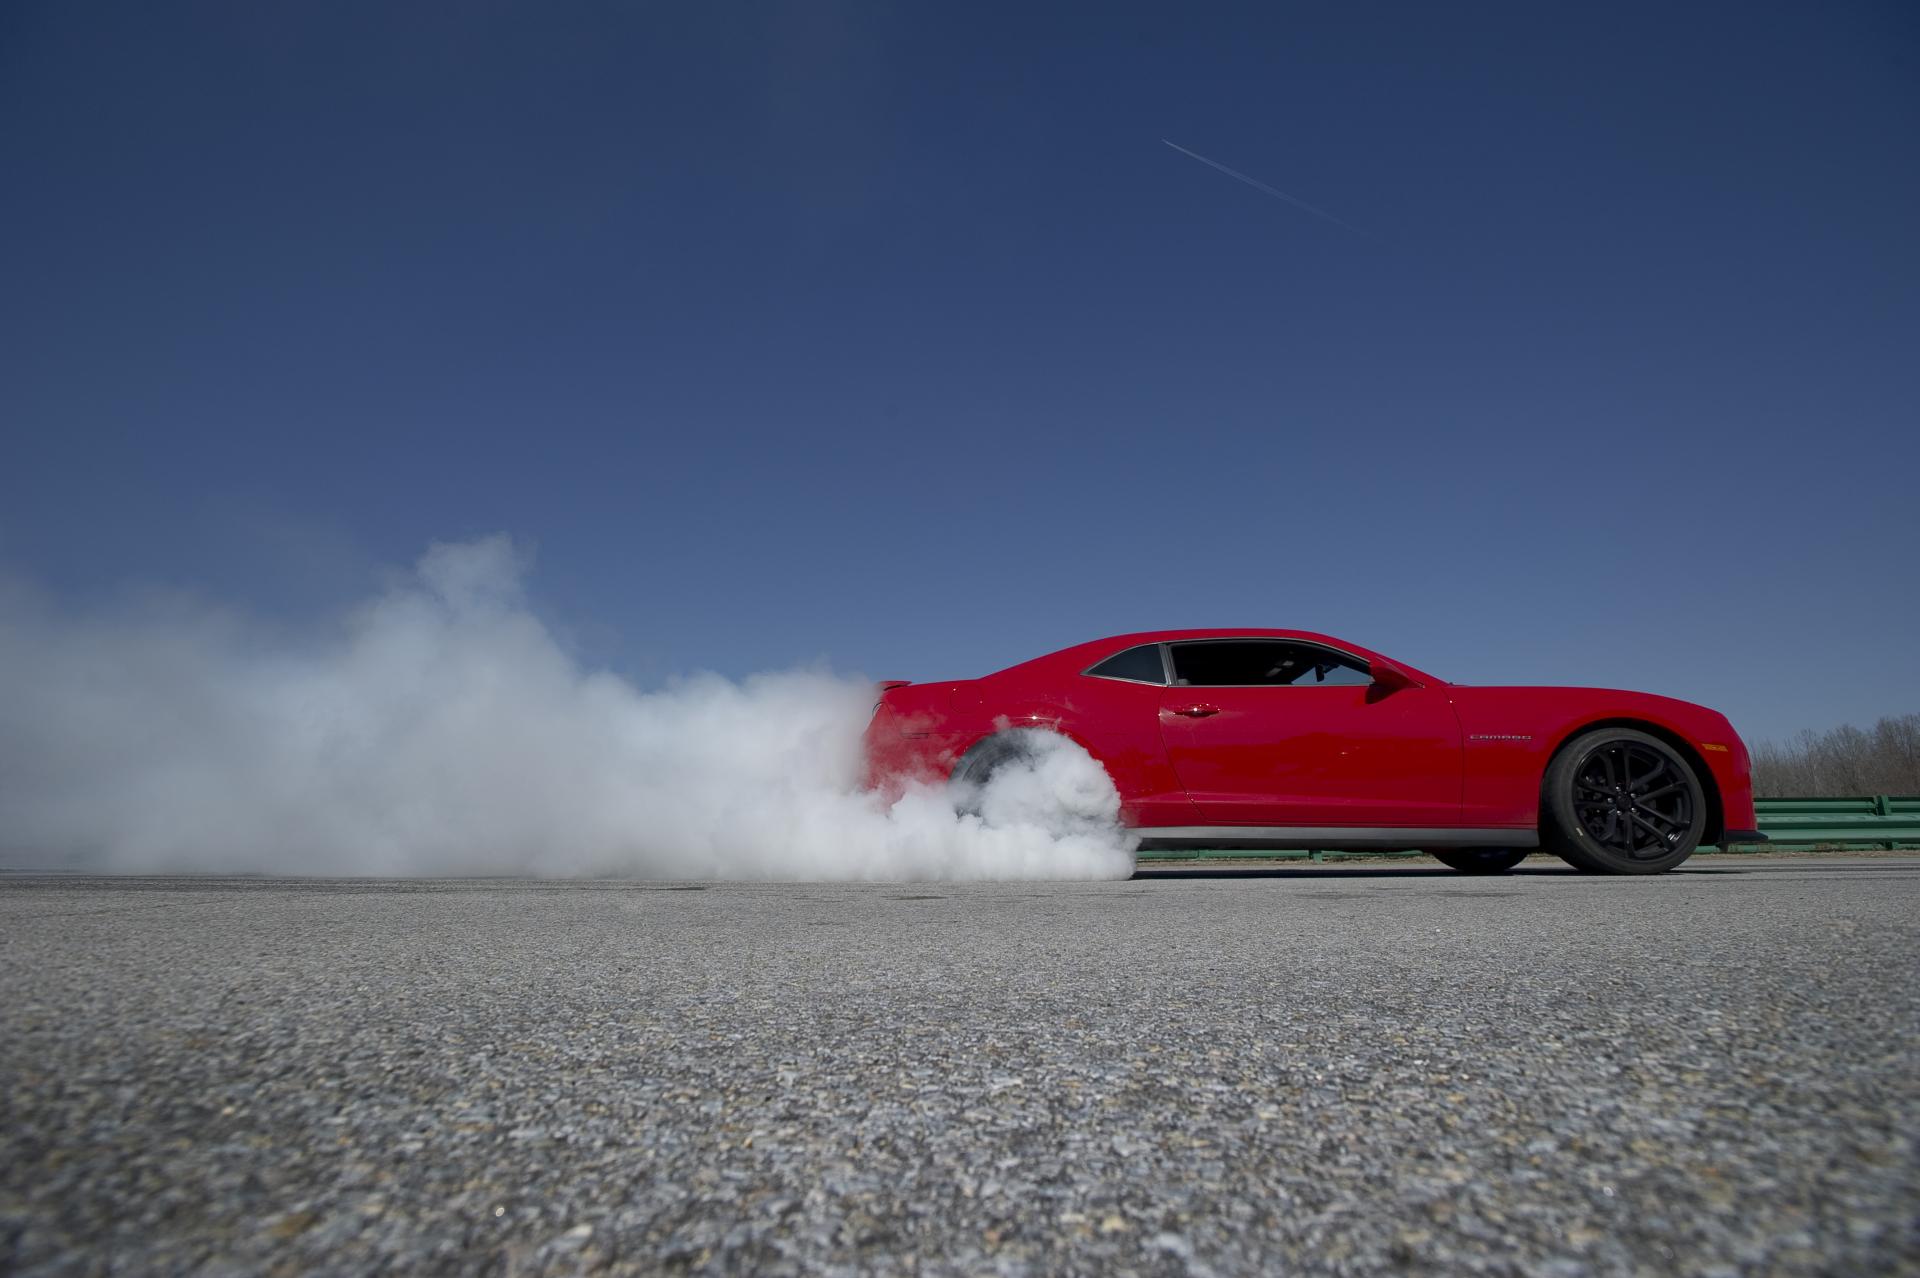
(1842, 761)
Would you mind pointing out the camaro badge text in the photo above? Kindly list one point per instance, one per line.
(1500, 736)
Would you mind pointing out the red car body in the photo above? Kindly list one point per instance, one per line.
(1397, 758)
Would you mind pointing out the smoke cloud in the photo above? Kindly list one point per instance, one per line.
(440, 728)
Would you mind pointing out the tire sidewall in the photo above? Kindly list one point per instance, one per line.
(1480, 860)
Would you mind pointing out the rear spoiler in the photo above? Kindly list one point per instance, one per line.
(888, 685)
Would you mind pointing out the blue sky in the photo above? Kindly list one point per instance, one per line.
(894, 336)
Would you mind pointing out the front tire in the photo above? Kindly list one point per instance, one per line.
(1619, 801)
(1479, 860)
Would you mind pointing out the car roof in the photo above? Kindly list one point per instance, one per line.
(1081, 655)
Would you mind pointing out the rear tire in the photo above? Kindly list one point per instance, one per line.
(1619, 801)
(1480, 860)
(977, 766)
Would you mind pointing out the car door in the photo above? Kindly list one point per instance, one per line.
(1278, 732)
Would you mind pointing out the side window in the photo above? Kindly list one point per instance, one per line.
(1141, 665)
(1230, 663)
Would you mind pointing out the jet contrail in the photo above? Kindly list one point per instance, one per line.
(1258, 185)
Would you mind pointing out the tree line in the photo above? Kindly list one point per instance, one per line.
(1842, 761)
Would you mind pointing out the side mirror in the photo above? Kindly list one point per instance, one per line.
(1388, 677)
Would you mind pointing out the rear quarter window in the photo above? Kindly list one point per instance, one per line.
(1138, 665)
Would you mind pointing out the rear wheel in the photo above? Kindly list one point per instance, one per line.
(1479, 860)
(977, 766)
(1618, 801)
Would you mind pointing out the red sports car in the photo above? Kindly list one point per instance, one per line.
(1283, 738)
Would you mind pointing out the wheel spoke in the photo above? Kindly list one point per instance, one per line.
(1643, 813)
(1620, 831)
(1659, 836)
(1662, 792)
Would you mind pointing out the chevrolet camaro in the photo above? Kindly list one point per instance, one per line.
(1288, 739)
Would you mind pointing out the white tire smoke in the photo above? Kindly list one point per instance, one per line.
(442, 730)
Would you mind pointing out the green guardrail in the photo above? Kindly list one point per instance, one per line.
(1871, 821)
(1875, 820)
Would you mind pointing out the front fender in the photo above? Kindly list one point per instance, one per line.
(1510, 735)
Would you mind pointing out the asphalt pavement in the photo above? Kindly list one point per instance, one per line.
(1338, 1069)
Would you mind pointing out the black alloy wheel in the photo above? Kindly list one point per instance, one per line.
(1619, 801)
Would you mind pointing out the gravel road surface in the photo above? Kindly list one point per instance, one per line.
(1313, 1069)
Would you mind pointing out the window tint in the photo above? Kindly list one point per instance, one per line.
(1225, 663)
(1142, 664)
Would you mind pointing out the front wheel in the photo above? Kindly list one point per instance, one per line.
(1617, 801)
(1479, 860)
